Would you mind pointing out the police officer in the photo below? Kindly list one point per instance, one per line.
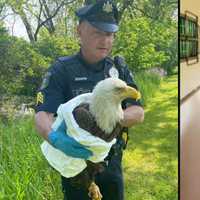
(73, 75)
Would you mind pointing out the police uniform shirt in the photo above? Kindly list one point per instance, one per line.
(71, 76)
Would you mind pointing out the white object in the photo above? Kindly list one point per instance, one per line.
(66, 165)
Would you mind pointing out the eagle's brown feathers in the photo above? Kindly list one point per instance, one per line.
(86, 121)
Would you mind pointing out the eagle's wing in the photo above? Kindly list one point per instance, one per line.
(83, 117)
(86, 121)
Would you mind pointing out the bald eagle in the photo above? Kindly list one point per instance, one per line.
(93, 119)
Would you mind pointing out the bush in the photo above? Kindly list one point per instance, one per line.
(21, 66)
(13, 107)
(52, 47)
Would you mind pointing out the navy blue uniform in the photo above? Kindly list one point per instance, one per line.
(67, 78)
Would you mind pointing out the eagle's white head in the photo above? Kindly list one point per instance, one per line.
(106, 101)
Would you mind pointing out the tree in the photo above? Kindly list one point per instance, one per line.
(136, 42)
(156, 10)
(37, 14)
(21, 66)
(2, 9)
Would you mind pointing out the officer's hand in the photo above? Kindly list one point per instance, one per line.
(60, 140)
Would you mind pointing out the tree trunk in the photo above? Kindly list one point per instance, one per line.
(49, 24)
(28, 28)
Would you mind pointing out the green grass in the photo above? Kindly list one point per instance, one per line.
(24, 173)
(150, 162)
(148, 84)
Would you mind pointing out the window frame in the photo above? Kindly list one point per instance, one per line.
(188, 29)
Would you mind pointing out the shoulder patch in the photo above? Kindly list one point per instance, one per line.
(45, 81)
(109, 60)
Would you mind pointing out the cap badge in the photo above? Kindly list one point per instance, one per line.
(107, 7)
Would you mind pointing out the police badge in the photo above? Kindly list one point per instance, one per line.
(113, 72)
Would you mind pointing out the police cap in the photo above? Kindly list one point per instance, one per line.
(102, 14)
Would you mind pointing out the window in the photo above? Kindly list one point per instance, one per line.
(188, 36)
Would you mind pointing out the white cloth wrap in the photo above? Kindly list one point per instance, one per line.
(66, 165)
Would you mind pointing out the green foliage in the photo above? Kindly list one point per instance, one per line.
(3, 30)
(5, 44)
(166, 40)
(54, 46)
(158, 10)
(21, 66)
(11, 107)
(147, 38)
(136, 42)
(148, 84)
(24, 171)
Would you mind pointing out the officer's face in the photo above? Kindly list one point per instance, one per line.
(95, 44)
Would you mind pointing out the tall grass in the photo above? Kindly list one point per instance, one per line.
(148, 84)
(24, 173)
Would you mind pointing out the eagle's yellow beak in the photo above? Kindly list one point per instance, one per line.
(130, 92)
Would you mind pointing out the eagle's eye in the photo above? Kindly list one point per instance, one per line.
(119, 89)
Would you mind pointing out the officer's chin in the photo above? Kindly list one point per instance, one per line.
(101, 57)
(102, 53)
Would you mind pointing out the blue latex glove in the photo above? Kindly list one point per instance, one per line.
(68, 145)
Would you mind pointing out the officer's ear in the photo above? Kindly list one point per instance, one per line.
(78, 30)
(82, 28)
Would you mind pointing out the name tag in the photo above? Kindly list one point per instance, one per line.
(80, 79)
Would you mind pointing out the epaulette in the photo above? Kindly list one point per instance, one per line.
(66, 58)
(119, 61)
(110, 60)
(120, 64)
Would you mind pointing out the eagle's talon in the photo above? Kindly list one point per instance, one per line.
(94, 192)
